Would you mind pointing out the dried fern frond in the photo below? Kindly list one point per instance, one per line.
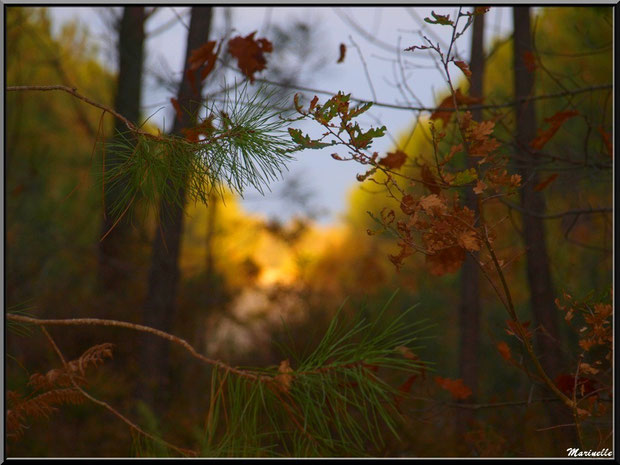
(55, 385)
(40, 406)
(75, 369)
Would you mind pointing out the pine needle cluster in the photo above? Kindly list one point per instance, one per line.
(241, 142)
(332, 402)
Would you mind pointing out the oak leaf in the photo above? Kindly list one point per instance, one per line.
(429, 180)
(433, 204)
(546, 182)
(555, 123)
(394, 160)
(204, 57)
(250, 53)
(444, 111)
(504, 350)
(480, 187)
(445, 261)
(468, 240)
(456, 387)
(343, 52)
(463, 67)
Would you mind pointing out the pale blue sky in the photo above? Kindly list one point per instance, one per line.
(385, 28)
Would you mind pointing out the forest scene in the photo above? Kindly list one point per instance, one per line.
(308, 232)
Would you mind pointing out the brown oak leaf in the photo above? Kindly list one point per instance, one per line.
(250, 53)
(343, 52)
(456, 387)
(555, 123)
(394, 160)
(463, 67)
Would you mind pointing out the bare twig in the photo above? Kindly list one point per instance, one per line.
(145, 329)
(73, 91)
(185, 452)
(586, 211)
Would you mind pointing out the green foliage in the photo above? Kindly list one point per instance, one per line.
(243, 146)
(333, 403)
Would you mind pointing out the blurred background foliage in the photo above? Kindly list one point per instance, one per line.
(242, 273)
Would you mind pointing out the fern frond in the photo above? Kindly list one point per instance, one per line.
(75, 369)
(40, 406)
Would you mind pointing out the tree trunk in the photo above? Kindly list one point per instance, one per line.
(160, 304)
(469, 311)
(538, 270)
(114, 268)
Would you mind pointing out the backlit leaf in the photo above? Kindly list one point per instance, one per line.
(546, 182)
(504, 350)
(555, 123)
(394, 160)
(463, 67)
(250, 53)
(343, 52)
(456, 387)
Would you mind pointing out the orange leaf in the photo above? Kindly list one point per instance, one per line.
(204, 57)
(456, 387)
(250, 53)
(203, 129)
(530, 61)
(606, 140)
(429, 180)
(433, 204)
(394, 160)
(468, 240)
(480, 187)
(504, 350)
(313, 103)
(405, 251)
(441, 113)
(556, 121)
(177, 108)
(343, 51)
(464, 67)
(446, 260)
(546, 182)
(448, 103)
(408, 204)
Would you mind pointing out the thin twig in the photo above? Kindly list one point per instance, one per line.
(586, 211)
(145, 329)
(73, 91)
(107, 406)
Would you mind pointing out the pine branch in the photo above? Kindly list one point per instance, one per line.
(73, 91)
(332, 403)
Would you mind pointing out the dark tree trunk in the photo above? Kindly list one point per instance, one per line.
(115, 269)
(538, 270)
(160, 305)
(469, 311)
